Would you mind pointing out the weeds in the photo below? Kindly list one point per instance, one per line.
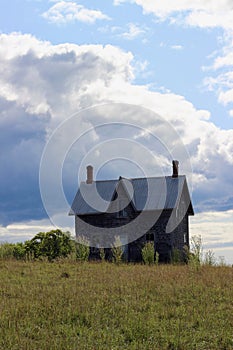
(117, 250)
(82, 249)
(102, 254)
(148, 253)
(70, 306)
(210, 258)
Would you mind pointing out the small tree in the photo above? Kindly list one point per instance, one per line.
(52, 245)
(148, 253)
(117, 250)
(82, 248)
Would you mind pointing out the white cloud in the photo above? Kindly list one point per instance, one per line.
(49, 76)
(215, 229)
(64, 12)
(222, 83)
(226, 97)
(22, 231)
(211, 13)
(119, 2)
(211, 18)
(133, 32)
(226, 59)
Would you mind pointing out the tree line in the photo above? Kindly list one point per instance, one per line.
(57, 244)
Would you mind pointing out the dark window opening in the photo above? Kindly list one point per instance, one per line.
(122, 213)
(150, 237)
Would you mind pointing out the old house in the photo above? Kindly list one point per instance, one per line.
(137, 210)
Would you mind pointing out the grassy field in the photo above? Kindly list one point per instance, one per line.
(48, 306)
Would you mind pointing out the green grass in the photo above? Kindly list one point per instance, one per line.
(70, 306)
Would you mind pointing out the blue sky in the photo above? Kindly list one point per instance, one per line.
(173, 57)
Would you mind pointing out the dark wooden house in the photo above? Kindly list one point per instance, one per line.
(137, 210)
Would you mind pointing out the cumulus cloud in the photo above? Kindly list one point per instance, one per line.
(41, 85)
(68, 11)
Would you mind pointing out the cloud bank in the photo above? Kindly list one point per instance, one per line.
(41, 85)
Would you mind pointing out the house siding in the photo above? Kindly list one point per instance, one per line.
(164, 242)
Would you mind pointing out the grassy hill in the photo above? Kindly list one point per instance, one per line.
(68, 305)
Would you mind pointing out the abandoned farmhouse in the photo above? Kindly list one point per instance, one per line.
(137, 210)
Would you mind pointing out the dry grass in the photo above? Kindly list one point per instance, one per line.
(92, 306)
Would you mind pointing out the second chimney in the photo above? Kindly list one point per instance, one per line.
(89, 174)
(175, 166)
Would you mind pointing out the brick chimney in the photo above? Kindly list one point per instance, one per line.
(89, 174)
(175, 166)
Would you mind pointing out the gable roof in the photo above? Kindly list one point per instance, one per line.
(153, 193)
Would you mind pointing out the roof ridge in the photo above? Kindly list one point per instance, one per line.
(136, 178)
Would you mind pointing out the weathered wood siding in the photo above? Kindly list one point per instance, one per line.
(169, 231)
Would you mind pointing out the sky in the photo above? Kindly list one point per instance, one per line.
(128, 85)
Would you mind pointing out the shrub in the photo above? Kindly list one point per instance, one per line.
(52, 245)
(19, 251)
(148, 253)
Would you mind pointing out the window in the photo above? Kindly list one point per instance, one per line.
(185, 238)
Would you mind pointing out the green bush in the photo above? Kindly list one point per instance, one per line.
(52, 245)
(148, 253)
(19, 251)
